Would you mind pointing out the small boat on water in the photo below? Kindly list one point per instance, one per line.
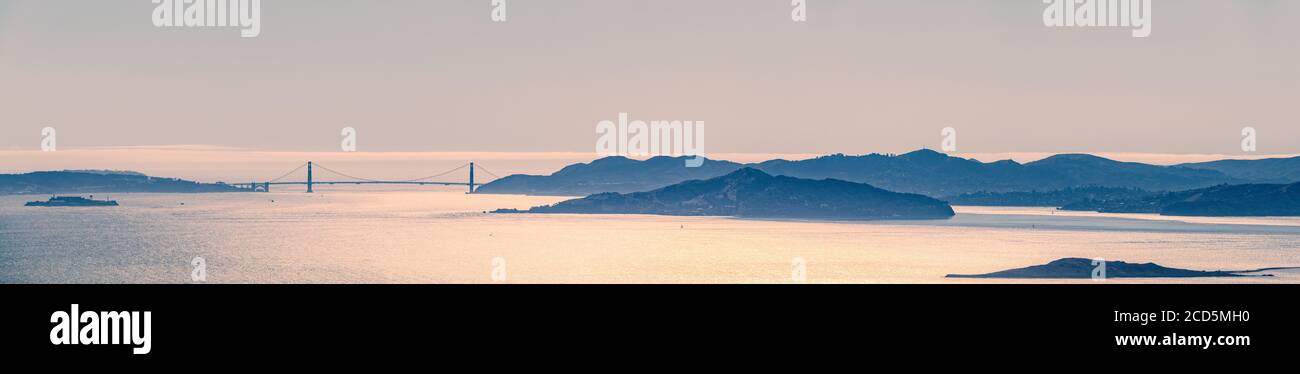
(73, 201)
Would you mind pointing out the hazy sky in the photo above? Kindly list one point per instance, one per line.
(857, 77)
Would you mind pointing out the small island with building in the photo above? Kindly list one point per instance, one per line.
(72, 201)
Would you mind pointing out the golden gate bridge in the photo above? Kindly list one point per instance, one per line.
(311, 181)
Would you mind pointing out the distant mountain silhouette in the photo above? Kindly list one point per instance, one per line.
(1082, 268)
(1272, 170)
(936, 174)
(1219, 201)
(924, 171)
(609, 174)
(1082, 169)
(75, 182)
(752, 193)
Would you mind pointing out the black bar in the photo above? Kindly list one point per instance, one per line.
(354, 321)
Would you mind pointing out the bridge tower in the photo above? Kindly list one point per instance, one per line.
(471, 177)
(309, 177)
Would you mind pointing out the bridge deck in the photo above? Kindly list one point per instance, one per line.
(266, 186)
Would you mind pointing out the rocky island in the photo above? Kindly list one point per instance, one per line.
(751, 193)
(1082, 268)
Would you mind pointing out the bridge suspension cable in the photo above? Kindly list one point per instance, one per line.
(489, 172)
(295, 170)
(356, 179)
(438, 175)
(326, 168)
(421, 179)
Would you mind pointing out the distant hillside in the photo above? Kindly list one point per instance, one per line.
(1272, 170)
(1244, 200)
(105, 172)
(1082, 170)
(609, 174)
(76, 182)
(1054, 198)
(936, 174)
(925, 172)
(752, 193)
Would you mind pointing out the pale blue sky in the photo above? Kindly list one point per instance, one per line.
(859, 76)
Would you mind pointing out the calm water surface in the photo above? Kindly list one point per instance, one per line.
(386, 236)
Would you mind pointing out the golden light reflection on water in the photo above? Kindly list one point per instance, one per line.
(375, 236)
